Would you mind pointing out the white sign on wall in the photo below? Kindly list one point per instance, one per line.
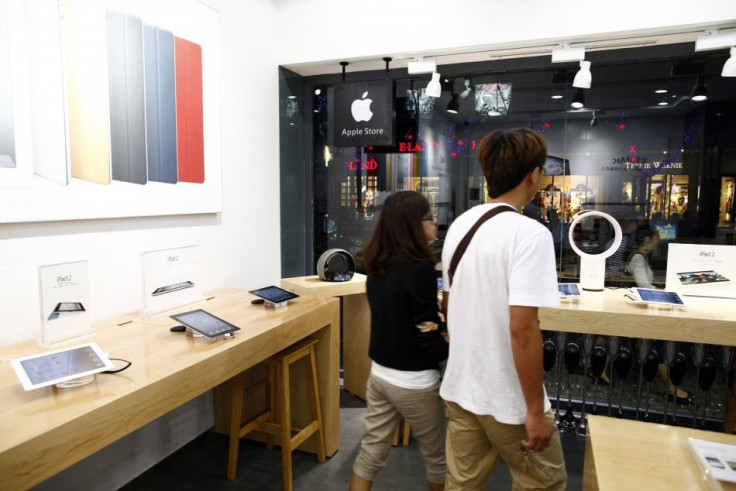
(64, 302)
(702, 270)
(171, 278)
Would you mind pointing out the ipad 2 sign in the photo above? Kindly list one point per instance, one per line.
(364, 114)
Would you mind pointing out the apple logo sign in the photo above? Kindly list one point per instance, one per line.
(361, 108)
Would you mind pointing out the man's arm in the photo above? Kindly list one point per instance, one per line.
(526, 347)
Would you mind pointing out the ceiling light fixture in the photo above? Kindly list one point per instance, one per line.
(583, 78)
(453, 105)
(700, 91)
(578, 100)
(660, 91)
(565, 53)
(434, 88)
(556, 96)
(713, 40)
(420, 66)
(729, 68)
(467, 91)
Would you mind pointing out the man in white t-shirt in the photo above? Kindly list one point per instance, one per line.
(496, 401)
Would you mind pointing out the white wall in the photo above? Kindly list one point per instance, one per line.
(350, 29)
(239, 247)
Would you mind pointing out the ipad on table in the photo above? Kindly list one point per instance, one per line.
(274, 294)
(205, 323)
(569, 290)
(658, 297)
(53, 367)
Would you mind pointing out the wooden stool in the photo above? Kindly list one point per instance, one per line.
(402, 428)
(291, 438)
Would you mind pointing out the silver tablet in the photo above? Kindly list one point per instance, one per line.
(569, 290)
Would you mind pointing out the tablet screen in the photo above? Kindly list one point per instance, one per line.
(274, 294)
(569, 289)
(59, 366)
(658, 296)
(205, 323)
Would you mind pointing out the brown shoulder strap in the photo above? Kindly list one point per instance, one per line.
(468, 236)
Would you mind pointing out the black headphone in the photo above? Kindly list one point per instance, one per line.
(336, 265)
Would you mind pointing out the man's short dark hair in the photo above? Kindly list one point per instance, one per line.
(507, 156)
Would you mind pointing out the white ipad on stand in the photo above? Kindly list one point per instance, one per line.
(570, 292)
(659, 298)
(68, 367)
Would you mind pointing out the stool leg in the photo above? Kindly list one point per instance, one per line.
(285, 426)
(407, 429)
(271, 400)
(395, 439)
(236, 414)
(316, 406)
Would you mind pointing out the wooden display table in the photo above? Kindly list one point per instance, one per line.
(47, 430)
(356, 324)
(624, 454)
(610, 312)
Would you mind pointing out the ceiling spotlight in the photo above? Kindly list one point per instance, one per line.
(700, 91)
(583, 77)
(713, 40)
(467, 91)
(729, 68)
(565, 53)
(578, 100)
(593, 121)
(453, 105)
(660, 91)
(421, 66)
(662, 103)
(556, 96)
(434, 88)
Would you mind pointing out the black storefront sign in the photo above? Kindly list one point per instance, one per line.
(364, 114)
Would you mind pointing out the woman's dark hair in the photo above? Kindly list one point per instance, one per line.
(506, 157)
(399, 231)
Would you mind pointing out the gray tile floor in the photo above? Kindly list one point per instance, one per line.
(202, 463)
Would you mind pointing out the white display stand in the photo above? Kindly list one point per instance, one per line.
(701, 270)
(171, 278)
(64, 302)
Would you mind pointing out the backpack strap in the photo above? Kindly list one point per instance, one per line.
(463, 245)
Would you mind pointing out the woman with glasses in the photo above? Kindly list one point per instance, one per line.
(406, 347)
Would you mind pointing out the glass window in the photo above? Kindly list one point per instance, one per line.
(639, 148)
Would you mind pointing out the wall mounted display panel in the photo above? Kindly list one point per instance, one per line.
(94, 191)
(158, 53)
(127, 110)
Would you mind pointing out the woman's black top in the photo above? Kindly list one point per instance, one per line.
(400, 300)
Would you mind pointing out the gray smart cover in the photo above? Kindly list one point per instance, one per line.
(127, 110)
(160, 95)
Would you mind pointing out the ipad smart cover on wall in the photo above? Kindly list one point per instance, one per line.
(87, 96)
(189, 110)
(127, 110)
(160, 94)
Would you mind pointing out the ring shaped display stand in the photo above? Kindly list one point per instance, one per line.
(336, 265)
(593, 265)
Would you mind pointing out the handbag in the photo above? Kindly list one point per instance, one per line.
(463, 245)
